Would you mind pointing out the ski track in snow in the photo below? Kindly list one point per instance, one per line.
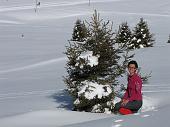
(155, 91)
(16, 95)
(10, 22)
(34, 65)
(165, 85)
(46, 5)
(151, 88)
(141, 14)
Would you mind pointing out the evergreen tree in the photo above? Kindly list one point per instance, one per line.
(79, 31)
(141, 36)
(123, 36)
(168, 39)
(93, 67)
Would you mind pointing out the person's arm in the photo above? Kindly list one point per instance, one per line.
(126, 94)
(125, 98)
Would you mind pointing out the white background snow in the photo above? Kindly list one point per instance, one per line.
(32, 62)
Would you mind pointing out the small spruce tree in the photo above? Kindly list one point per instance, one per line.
(79, 31)
(142, 36)
(168, 39)
(123, 36)
(93, 67)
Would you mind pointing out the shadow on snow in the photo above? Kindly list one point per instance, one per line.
(63, 99)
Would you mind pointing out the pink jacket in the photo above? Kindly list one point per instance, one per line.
(134, 88)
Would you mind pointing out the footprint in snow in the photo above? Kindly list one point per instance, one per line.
(136, 114)
(155, 110)
(143, 116)
(117, 125)
(118, 121)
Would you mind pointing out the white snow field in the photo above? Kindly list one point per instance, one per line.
(32, 93)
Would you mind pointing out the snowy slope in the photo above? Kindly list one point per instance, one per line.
(32, 61)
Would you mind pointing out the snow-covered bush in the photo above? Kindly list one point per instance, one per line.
(141, 36)
(94, 97)
(93, 67)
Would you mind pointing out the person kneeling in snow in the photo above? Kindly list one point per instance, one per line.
(132, 99)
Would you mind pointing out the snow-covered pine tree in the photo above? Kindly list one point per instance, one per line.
(142, 36)
(168, 39)
(79, 31)
(93, 68)
(123, 36)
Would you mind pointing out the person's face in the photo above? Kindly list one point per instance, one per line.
(132, 69)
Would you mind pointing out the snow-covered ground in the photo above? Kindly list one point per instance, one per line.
(32, 62)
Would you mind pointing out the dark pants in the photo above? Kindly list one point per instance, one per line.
(134, 106)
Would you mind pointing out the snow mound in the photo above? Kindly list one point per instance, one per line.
(148, 104)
